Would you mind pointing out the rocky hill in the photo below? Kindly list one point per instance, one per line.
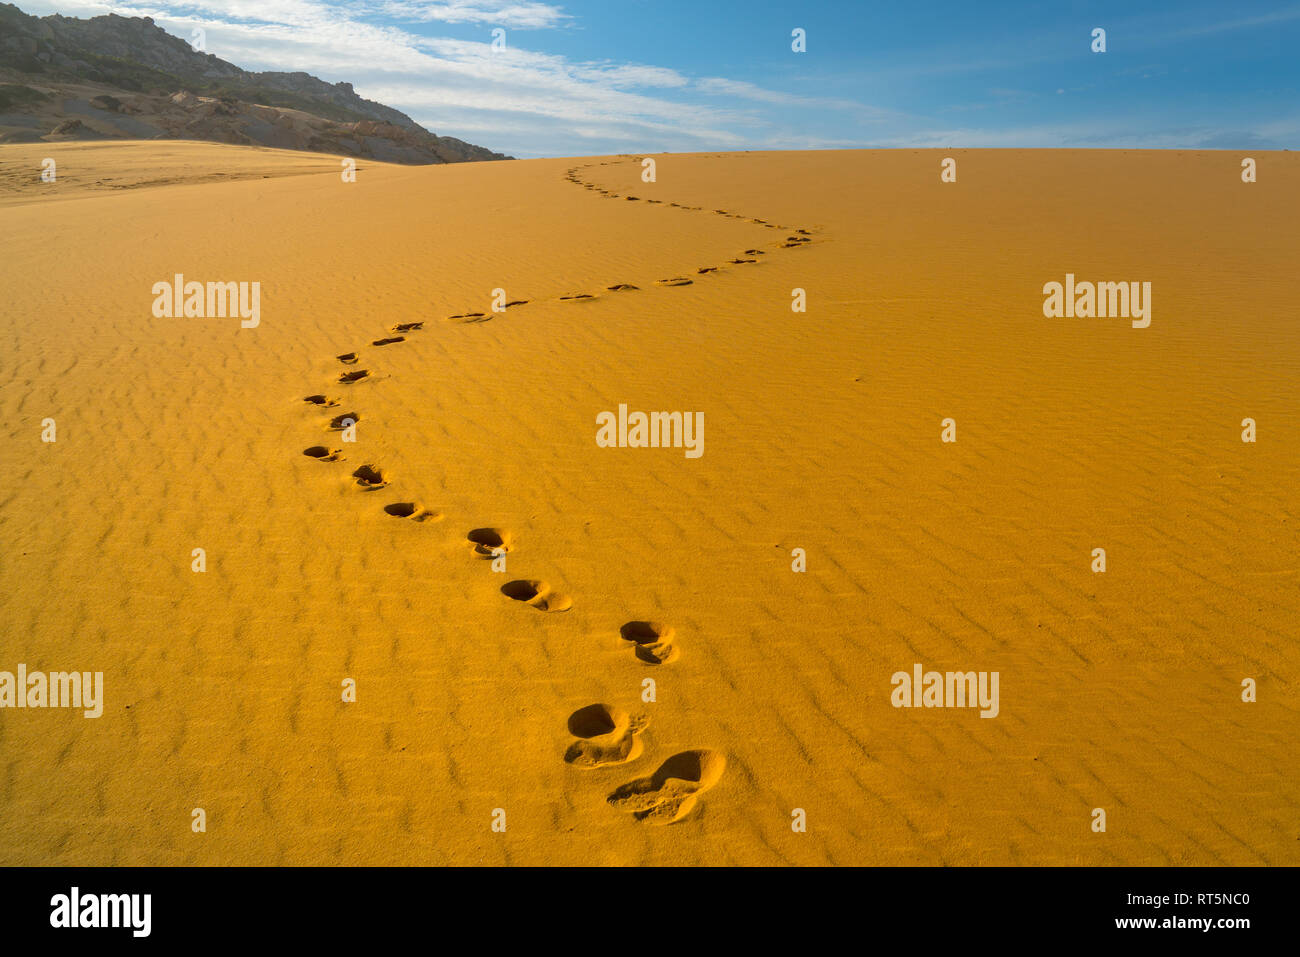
(124, 77)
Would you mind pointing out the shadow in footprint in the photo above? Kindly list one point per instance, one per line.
(350, 377)
(321, 400)
(577, 296)
(676, 281)
(408, 326)
(323, 454)
(414, 511)
(621, 287)
(370, 478)
(653, 639)
(348, 358)
(673, 790)
(346, 420)
(469, 317)
(606, 735)
(538, 594)
(489, 542)
(389, 341)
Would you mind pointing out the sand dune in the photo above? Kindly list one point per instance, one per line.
(521, 689)
(84, 169)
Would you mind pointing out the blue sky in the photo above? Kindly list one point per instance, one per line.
(609, 76)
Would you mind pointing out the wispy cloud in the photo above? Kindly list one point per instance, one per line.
(1245, 23)
(506, 13)
(738, 89)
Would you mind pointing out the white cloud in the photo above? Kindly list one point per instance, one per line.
(505, 13)
(739, 89)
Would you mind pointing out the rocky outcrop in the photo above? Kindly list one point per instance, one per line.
(113, 76)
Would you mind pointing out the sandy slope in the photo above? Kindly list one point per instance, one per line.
(822, 431)
(85, 169)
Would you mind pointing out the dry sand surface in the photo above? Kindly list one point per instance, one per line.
(223, 689)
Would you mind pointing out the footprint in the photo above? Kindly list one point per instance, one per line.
(341, 422)
(653, 640)
(370, 478)
(469, 317)
(321, 400)
(631, 199)
(489, 542)
(755, 252)
(414, 511)
(357, 376)
(517, 302)
(323, 454)
(389, 341)
(538, 594)
(676, 281)
(348, 358)
(606, 735)
(577, 295)
(621, 287)
(672, 792)
(737, 262)
(408, 326)
(703, 269)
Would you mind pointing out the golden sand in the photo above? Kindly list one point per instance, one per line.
(223, 689)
